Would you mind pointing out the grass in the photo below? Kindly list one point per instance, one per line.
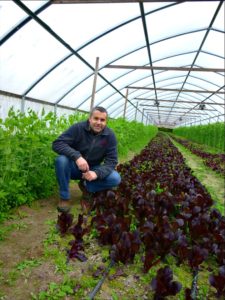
(213, 182)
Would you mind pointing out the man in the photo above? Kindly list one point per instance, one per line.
(87, 151)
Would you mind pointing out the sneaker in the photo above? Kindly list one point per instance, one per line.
(64, 206)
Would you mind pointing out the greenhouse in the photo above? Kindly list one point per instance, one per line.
(112, 150)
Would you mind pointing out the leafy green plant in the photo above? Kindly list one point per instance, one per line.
(28, 263)
(210, 134)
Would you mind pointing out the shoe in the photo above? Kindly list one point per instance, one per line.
(64, 206)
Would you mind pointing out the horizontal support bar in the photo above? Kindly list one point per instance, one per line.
(102, 1)
(173, 90)
(175, 112)
(180, 101)
(165, 68)
(160, 106)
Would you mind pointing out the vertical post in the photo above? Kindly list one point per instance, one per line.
(55, 109)
(23, 105)
(142, 118)
(94, 83)
(136, 112)
(125, 105)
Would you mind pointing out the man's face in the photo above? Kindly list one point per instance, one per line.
(98, 121)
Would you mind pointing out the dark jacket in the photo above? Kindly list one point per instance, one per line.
(80, 141)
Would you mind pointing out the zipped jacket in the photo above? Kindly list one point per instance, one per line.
(99, 150)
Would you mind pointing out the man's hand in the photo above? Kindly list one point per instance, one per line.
(89, 176)
(82, 164)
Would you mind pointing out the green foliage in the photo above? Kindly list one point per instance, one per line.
(132, 136)
(28, 263)
(56, 291)
(211, 135)
(26, 156)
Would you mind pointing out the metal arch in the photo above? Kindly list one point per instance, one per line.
(51, 69)
(147, 44)
(203, 41)
(83, 46)
(46, 27)
(73, 51)
(142, 79)
(190, 76)
(24, 22)
(138, 17)
(192, 96)
(116, 78)
(199, 78)
(147, 76)
(210, 96)
(124, 55)
(77, 84)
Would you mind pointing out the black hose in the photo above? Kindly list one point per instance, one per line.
(194, 285)
(99, 284)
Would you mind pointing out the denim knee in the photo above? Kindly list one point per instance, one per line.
(115, 178)
(62, 161)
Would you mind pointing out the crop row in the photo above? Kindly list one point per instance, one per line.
(216, 162)
(159, 210)
(210, 134)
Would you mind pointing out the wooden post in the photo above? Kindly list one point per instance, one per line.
(142, 118)
(146, 123)
(23, 105)
(125, 105)
(136, 111)
(94, 83)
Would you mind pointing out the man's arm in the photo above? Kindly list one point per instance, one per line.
(63, 144)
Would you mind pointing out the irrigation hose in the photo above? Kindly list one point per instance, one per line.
(194, 285)
(99, 284)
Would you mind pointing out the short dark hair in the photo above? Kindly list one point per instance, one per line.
(99, 108)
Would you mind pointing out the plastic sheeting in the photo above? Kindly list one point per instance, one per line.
(49, 57)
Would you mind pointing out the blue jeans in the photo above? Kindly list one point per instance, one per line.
(67, 169)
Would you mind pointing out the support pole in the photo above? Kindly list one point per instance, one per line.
(94, 83)
(23, 105)
(125, 105)
(136, 111)
(142, 118)
(55, 109)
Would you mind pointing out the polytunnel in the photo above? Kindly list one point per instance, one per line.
(112, 150)
(156, 62)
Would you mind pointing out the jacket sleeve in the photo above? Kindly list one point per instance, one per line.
(110, 160)
(63, 144)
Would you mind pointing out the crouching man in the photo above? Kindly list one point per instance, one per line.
(87, 152)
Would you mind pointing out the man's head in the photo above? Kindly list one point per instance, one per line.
(98, 119)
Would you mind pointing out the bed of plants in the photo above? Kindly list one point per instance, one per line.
(161, 216)
(210, 134)
(215, 161)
